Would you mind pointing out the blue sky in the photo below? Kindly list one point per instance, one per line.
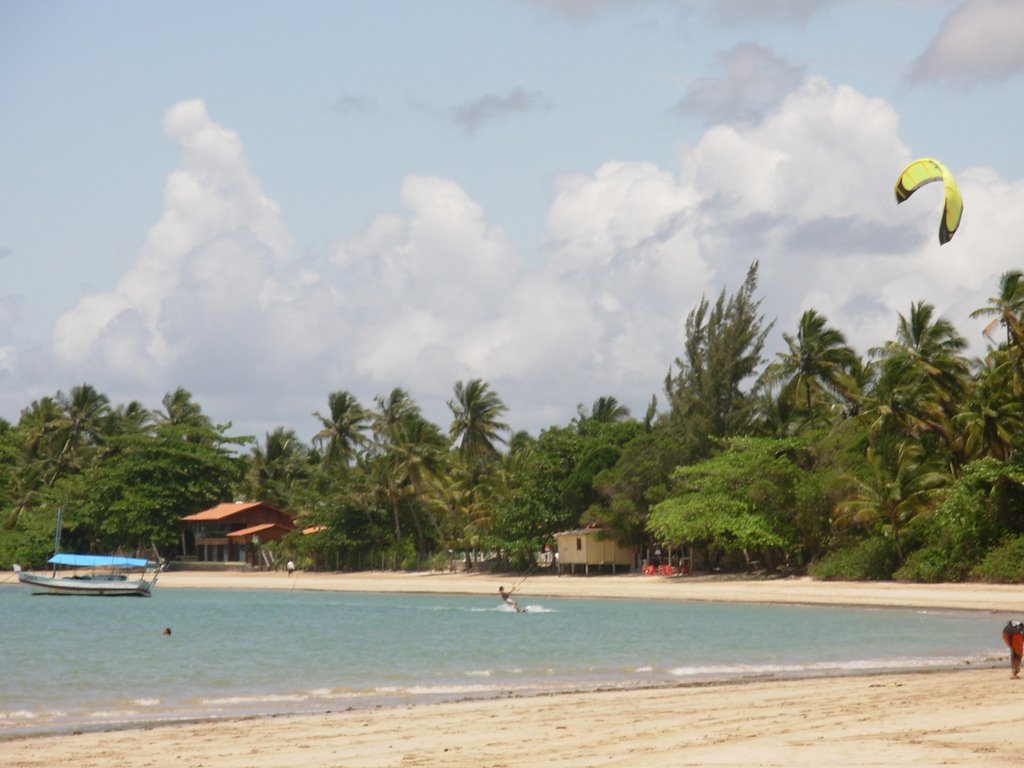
(264, 202)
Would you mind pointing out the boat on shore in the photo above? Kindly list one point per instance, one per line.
(100, 575)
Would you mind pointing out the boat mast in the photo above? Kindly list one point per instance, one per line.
(56, 540)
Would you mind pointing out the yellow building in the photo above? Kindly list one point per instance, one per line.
(592, 547)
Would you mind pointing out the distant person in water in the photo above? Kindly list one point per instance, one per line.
(1013, 636)
(506, 597)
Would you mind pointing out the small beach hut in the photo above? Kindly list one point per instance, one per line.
(592, 548)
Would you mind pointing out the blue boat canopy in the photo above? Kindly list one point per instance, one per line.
(98, 561)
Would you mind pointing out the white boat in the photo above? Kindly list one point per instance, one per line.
(93, 575)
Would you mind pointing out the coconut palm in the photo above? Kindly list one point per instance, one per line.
(816, 368)
(275, 467)
(181, 410)
(922, 377)
(606, 410)
(409, 452)
(344, 428)
(901, 485)
(476, 428)
(84, 411)
(935, 347)
(131, 419)
(1007, 308)
(990, 419)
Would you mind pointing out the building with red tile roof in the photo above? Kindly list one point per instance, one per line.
(233, 532)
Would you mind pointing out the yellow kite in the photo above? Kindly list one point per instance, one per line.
(925, 171)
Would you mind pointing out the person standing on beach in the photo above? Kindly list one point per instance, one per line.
(1013, 636)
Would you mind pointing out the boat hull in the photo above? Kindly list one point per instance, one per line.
(86, 585)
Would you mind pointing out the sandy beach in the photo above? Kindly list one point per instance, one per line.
(963, 718)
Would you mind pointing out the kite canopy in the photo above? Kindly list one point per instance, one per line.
(924, 171)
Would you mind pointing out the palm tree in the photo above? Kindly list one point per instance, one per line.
(475, 427)
(343, 429)
(990, 419)
(1007, 308)
(410, 451)
(84, 411)
(605, 410)
(935, 348)
(923, 375)
(902, 484)
(816, 369)
(901, 402)
(392, 411)
(275, 467)
(181, 410)
(131, 419)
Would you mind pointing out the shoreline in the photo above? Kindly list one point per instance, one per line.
(995, 598)
(962, 716)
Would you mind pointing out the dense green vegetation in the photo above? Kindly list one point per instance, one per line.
(905, 462)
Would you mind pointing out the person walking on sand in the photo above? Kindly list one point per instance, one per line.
(506, 597)
(1013, 636)
(290, 567)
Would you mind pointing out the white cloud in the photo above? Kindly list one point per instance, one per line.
(197, 258)
(980, 40)
(433, 292)
(808, 191)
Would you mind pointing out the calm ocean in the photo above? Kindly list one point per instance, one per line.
(78, 662)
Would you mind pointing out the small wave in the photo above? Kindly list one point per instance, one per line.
(27, 714)
(146, 702)
(479, 673)
(112, 714)
(269, 698)
(854, 665)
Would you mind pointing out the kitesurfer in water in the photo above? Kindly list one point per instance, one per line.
(506, 597)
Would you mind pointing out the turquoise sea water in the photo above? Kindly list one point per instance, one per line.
(80, 662)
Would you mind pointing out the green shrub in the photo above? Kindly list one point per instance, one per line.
(1004, 564)
(870, 560)
(933, 565)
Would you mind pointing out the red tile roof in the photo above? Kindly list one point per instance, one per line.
(255, 529)
(228, 509)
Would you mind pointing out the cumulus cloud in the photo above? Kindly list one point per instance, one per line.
(753, 80)
(473, 114)
(808, 190)
(980, 40)
(433, 292)
(208, 250)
